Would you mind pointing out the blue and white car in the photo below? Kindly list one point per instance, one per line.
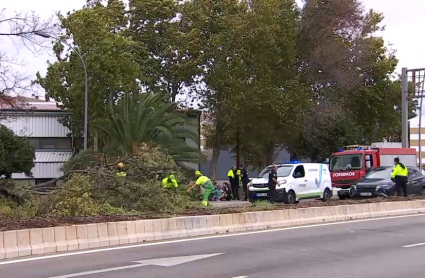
(297, 181)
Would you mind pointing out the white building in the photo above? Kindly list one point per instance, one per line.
(38, 121)
(414, 136)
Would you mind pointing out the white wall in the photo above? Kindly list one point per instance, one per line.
(36, 126)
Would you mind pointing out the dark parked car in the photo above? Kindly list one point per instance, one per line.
(378, 183)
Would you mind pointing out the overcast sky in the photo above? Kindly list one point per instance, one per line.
(404, 21)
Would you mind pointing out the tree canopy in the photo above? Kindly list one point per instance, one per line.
(269, 74)
(16, 154)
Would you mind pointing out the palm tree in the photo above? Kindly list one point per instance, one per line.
(149, 118)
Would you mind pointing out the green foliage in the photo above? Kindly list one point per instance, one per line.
(169, 67)
(11, 210)
(75, 199)
(254, 87)
(83, 160)
(268, 73)
(99, 190)
(109, 53)
(264, 204)
(148, 118)
(354, 98)
(16, 154)
(148, 197)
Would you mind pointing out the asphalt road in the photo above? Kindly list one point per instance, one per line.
(366, 249)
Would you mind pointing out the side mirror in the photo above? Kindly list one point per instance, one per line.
(327, 160)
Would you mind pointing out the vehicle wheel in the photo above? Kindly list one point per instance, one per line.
(423, 191)
(327, 195)
(290, 198)
(342, 197)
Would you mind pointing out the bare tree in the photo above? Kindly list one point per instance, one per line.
(21, 30)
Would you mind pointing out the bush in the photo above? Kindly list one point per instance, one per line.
(11, 210)
(75, 199)
(92, 188)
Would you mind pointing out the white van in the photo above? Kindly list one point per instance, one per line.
(297, 181)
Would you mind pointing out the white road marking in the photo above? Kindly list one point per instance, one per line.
(241, 277)
(202, 238)
(99, 271)
(414, 245)
(166, 262)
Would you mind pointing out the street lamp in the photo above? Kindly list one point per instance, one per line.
(86, 89)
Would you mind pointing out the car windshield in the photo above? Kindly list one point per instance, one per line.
(381, 173)
(346, 162)
(282, 171)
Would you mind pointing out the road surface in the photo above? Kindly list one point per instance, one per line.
(390, 248)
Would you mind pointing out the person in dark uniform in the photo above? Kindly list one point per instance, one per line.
(399, 176)
(234, 182)
(245, 181)
(272, 183)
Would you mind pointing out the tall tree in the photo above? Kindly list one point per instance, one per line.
(98, 33)
(169, 67)
(212, 28)
(271, 95)
(350, 71)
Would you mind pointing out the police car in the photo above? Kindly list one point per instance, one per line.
(297, 181)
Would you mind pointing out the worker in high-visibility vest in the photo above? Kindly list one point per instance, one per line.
(170, 182)
(234, 176)
(120, 170)
(399, 176)
(206, 184)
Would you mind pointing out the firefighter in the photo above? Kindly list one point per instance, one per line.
(170, 182)
(234, 179)
(399, 176)
(120, 170)
(206, 184)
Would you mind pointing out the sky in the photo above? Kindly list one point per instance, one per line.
(404, 21)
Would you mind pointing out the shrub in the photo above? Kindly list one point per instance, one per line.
(11, 210)
(75, 199)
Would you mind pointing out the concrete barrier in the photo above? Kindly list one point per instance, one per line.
(71, 237)
(22, 243)
(2, 252)
(60, 239)
(82, 237)
(92, 236)
(10, 244)
(102, 233)
(23, 240)
(49, 240)
(36, 237)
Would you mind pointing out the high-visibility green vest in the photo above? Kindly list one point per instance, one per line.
(168, 182)
(122, 174)
(399, 171)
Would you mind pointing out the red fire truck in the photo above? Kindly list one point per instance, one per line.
(352, 163)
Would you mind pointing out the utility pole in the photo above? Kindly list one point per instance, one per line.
(238, 155)
(86, 86)
(404, 109)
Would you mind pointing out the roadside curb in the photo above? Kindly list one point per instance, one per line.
(21, 243)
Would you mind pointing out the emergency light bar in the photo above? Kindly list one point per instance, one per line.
(291, 162)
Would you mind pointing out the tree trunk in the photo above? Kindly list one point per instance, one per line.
(270, 152)
(219, 128)
(96, 141)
